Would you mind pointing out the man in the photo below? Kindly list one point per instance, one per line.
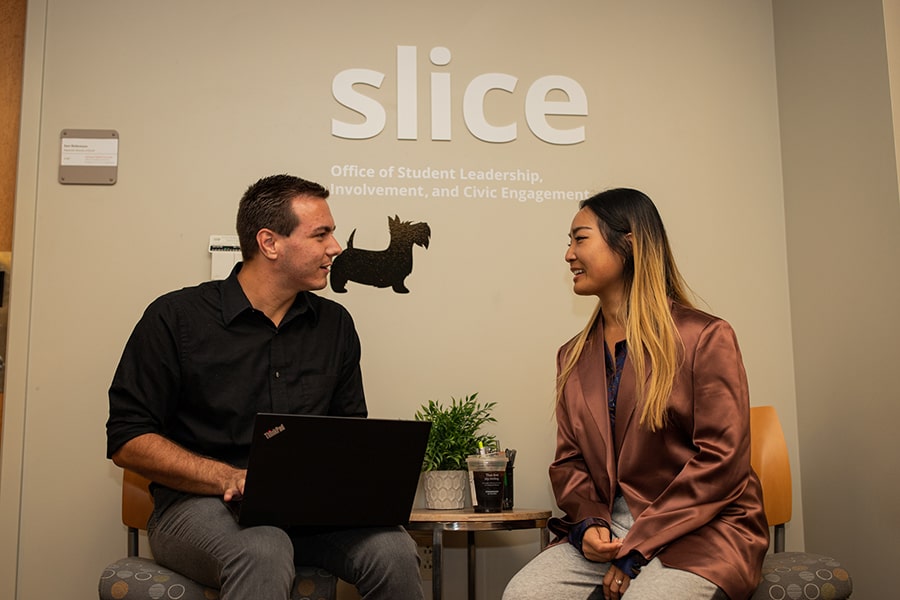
(202, 361)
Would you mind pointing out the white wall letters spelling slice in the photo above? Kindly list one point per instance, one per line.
(536, 105)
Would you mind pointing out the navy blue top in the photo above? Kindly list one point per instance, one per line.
(632, 563)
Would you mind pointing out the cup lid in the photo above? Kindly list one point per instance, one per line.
(495, 458)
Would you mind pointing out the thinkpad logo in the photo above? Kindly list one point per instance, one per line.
(273, 432)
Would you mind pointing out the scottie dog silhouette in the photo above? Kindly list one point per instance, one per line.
(381, 268)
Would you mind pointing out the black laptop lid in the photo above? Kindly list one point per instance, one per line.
(322, 472)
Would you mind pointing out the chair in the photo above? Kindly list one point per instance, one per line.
(134, 577)
(794, 575)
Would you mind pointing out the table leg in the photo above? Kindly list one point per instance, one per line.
(437, 560)
(470, 543)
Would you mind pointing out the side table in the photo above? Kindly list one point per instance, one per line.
(466, 519)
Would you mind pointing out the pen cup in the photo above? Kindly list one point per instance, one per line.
(487, 473)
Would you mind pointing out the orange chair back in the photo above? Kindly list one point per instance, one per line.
(137, 503)
(769, 458)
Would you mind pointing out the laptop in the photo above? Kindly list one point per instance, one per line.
(321, 472)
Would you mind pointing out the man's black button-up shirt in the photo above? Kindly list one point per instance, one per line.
(201, 362)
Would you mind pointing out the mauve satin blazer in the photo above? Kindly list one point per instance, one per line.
(696, 502)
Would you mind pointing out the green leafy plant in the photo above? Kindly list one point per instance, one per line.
(455, 432)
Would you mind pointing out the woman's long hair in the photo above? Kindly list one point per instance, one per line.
(651, 280)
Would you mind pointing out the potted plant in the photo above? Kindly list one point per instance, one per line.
(455, 434)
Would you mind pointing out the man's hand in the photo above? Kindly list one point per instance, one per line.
(597, 545)
(234, 490)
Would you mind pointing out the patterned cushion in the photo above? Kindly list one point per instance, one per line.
(802, 576)
(135, 578)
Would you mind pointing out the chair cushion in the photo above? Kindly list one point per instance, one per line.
(134, 577)
(803, 576)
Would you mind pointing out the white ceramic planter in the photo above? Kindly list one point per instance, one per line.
(445, 489)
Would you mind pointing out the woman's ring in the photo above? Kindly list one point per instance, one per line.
(618, 582)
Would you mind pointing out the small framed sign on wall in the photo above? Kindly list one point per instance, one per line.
(88, 156)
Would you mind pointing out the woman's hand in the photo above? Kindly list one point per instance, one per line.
(597, 545)
(615, 582)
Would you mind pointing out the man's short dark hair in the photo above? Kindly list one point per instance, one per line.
(267, 205)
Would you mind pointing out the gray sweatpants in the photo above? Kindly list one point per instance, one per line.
(562, 573)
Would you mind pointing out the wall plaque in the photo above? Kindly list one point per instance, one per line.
(88, 156)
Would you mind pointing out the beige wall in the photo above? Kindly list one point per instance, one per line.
(208, 96)
(843, 230)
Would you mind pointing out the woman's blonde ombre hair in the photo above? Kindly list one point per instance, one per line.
(652, 280)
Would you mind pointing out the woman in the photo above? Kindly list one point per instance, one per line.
(652, 466)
